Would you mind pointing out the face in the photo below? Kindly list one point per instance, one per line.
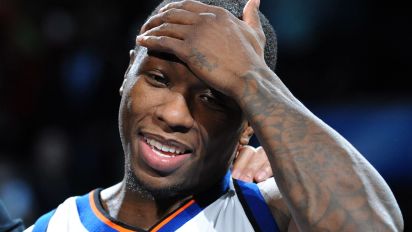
(178, 134)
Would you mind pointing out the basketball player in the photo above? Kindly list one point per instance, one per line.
(200, 82)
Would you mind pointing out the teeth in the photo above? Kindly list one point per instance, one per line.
(158, 145)
(162, 147)
(165, 148)
(163, 155)
(152, 142)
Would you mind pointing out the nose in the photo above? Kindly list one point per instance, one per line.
(175, 113)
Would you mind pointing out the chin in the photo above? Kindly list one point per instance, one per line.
(157, 190)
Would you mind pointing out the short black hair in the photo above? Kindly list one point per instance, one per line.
(236, 8)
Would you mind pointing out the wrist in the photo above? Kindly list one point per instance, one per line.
(250, 82)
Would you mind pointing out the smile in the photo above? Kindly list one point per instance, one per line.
(163, 149)
(163, 155)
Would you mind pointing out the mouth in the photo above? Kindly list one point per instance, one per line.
(167, 150)
(162, 155)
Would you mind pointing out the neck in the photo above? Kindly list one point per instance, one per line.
(135, 208)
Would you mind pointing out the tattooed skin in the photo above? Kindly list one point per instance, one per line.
(326, 183)
(323, 179)
(200, 61)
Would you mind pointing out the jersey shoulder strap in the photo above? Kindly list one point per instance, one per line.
(255, 207)
(43, 222)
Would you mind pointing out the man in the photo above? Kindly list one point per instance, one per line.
(198, 85)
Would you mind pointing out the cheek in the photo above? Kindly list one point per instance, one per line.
(216, 125)
(219, 139)
(142, 99)
(134, 106)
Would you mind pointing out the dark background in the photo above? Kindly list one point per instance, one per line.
(62, 62)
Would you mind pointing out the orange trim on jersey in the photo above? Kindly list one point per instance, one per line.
(103, 218)
(168, 219)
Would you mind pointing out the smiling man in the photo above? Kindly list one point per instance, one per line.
(200, 82)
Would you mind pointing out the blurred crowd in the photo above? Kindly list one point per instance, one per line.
(62, 63)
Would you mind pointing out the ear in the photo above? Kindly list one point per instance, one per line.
(132, 55)
(246, 135)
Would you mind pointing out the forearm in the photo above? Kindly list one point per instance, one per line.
(326, 183)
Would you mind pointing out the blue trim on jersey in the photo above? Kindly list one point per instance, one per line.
(201, 202)
(92, 223)
(183, 217)
(224, 186)
(88, 218)
(43, 222)
(206, 198)
(258, 206)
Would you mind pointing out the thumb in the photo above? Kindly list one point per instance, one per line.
(251, 13)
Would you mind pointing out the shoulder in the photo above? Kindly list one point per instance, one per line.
(63, 218)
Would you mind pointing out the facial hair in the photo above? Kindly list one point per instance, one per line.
(138, 186)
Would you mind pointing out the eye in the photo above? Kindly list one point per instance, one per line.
(212, 101)
(208, 99)
(157, 79)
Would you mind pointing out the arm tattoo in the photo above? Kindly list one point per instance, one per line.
(321, 176)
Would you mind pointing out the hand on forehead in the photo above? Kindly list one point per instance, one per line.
(189, 12)
(217, 46)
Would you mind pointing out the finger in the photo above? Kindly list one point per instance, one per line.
(176, 16)
(251, 14)
(189, 5)
(176, 31)
(163, 44)
(245, 155)
(265, 172)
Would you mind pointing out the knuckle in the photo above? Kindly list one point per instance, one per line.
(164, 26)
(268, 170)
(260, 151)
(222, 12)
(249, 171)
(162, 41)
(185, 3)
(165, 15)
(248, 148)
(246, 176)
(210, 17)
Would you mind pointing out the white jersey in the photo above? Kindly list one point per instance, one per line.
(232, 206)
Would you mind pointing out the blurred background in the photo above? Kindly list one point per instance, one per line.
(62, 63)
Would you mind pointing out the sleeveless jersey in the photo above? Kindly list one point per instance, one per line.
(232, 205)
